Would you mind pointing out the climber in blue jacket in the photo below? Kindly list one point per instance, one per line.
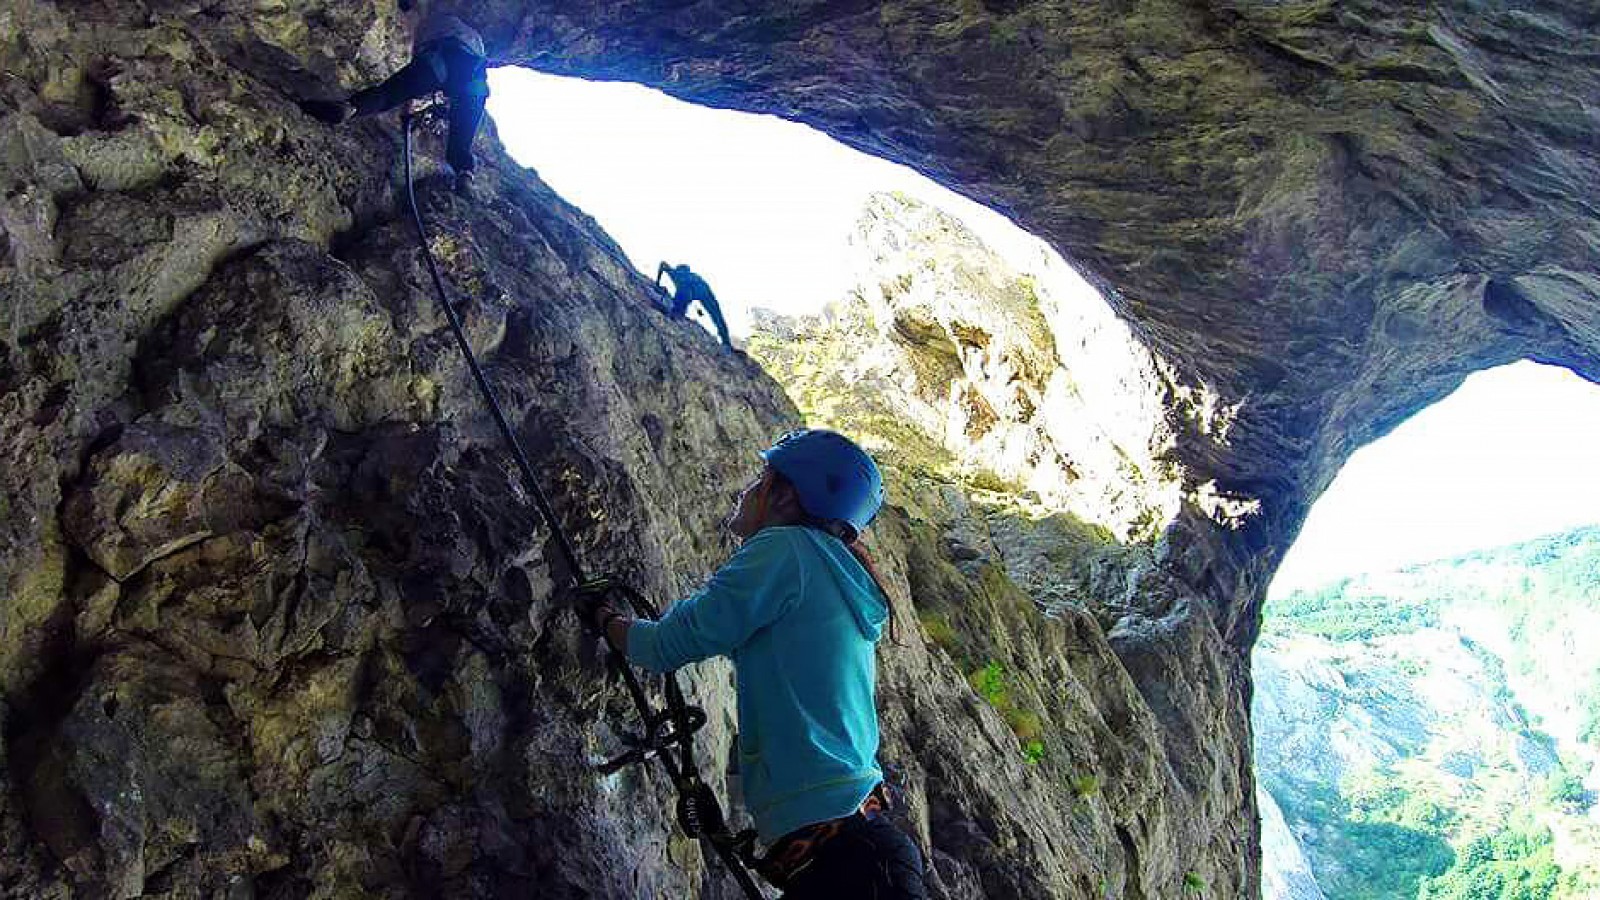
(447, 55)
(689, 288)
(799, 609)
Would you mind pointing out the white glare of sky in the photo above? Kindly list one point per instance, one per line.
(761, 207)
(758, 205)
(1513, 454)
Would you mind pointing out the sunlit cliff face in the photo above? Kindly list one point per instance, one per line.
(1012, 375)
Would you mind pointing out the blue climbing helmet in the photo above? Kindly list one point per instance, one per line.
(835, 479)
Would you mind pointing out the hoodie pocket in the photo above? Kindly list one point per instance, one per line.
(754, 780)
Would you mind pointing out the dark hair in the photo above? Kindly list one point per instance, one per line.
(851, 538)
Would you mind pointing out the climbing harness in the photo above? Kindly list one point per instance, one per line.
(699, 813)
(798, 849)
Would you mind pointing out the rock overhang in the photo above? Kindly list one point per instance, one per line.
(1235, 233)
(1326, 214)
(1320, 217)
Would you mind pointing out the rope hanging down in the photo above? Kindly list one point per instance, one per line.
(698, 810)
(529, 480)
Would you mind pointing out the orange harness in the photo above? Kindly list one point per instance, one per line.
(798, 849)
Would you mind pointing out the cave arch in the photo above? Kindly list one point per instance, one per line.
(1328, 276)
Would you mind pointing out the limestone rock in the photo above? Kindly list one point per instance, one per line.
(138, 790)
(1321, 216)
(276, 618)
(959, 363)
(145, 498)
(1097, 662)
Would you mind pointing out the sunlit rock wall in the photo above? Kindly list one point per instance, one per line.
(1027, 437)
(1014, 375)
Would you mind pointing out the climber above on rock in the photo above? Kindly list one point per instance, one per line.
(447, 55)
(799, 609)
(691, 288)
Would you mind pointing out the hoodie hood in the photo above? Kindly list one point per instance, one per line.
(867, 604)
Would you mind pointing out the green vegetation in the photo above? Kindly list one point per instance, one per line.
(939, 630)
(1339, 612)
(1399, 835)
(1461, 817)
(1025, 724)
(990, 683)
(985, 480)
(1382, 796)
(1085, 786)
(1589, 712)
(1193, 883)
(1385, 840)
(1566, 791)
(1562, 572)
(1515, 863)
(993, 684)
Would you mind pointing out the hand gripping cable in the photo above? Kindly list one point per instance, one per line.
(668, 736)
(699, 813)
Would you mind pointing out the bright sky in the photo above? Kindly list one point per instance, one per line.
(761, 208)
(757, 205)
(1513, 454)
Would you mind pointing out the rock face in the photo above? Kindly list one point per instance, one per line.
(275, 619)
(961, 364)
(1022, 430)
(1066, 763)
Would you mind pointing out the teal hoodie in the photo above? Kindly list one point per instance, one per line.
(799, 617)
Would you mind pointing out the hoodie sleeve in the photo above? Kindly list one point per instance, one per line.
(760, 583)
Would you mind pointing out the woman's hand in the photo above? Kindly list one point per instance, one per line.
(598, 615)
(615, 628)
(605, 620)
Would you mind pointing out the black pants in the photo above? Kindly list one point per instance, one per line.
(869, 860)
(444, 66)
(708, 302)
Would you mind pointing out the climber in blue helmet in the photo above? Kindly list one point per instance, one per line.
(691, 288)
(447, 55)
(799, 609)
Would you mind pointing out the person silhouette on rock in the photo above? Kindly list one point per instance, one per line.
(691, 288)
(447, 55)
